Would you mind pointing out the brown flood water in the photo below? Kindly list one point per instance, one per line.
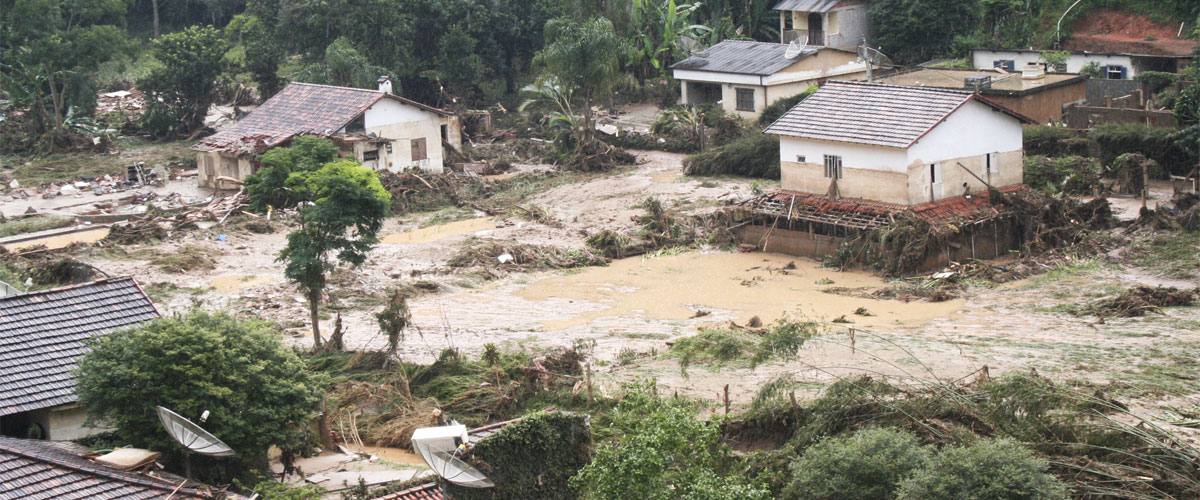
(396, 455)
(62, 240)
(240, 282)
(749, 284)
(442, 231)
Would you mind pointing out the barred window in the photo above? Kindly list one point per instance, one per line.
(833, 166)
(745, 99)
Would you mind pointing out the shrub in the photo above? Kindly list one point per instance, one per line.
(1069, 174)
(531, 459)
(756, 155)
(867, 465)
(1154, 80)
(1156, 143)
(1045, 140)
(984, 470)
(778, 108)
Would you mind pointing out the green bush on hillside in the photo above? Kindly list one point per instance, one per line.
(984, 470)
(868, 465)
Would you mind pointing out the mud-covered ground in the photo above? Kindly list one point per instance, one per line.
(634, 307)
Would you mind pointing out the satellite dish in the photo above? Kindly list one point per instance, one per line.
(441, 447)
(874, 58)
(191, 436)
(795, 49)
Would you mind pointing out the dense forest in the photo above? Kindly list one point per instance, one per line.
(56, 54)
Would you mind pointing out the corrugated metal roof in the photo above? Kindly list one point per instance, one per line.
(42, 335)
(743, 57)
(299, 109)
(32, 469)
(806, 5)
(875, 114)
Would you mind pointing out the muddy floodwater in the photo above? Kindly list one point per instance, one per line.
(396, 455)
(435, 233)
(61, 240)
(240, 282)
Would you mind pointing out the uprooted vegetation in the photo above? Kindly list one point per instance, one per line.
(1092, 443)
(660, 228)
(1142, 300)
(509, 255)
(756, 155)
(751, 344)
(414, 192)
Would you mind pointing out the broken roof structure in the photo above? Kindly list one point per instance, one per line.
(874, 114)
(33, 469)
(300, 109)
(433, 491)
(42, 336)
(857, 213)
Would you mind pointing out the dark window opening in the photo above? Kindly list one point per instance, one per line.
(356, 125)
(745, 99)
(1005, 64)
(933, 178)
(799, 158)
(1113, 72)
(989, 162)
(371, 155)
(445, 133)
(833, 167)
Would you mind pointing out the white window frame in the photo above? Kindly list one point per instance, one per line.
(833, 165)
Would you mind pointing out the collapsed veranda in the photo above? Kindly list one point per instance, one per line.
(856, 158)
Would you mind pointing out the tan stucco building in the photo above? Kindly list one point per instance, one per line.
(382, 130)
(1032, 92)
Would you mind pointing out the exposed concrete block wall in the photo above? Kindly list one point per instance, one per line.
(783, 241)
(213, 164)
(851, 26)
(1047, 105)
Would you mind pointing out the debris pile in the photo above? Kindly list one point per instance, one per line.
(493, 254)
(157, 224)
(1142, 300)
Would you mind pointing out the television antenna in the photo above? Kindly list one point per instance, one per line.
(193, 438)
(795, 49)
(441, 448)
(873, 58)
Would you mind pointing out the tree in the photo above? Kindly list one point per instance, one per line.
(268, 186)
(180, 91)
(866, 465)
(660, 27)
(984, 470)
(393, 320)
(346, 205)
(913, 31)
(47, 50)
(664, 453)
(343, 66)
(583, 58)
(257, 391)
(263, 54)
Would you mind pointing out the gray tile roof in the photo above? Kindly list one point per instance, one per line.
(743, 57)
(42, 335)
(32, 469)
(875, 114)
(806, 5)
(299, 109)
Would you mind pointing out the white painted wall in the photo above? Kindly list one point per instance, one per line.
(391, 119)
(853, 155)
(985, 59)
(973, 129)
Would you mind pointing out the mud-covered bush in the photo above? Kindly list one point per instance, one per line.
(984, 470)
(1069, 174)
(1156, 143)
(756, 155)
(868, 465)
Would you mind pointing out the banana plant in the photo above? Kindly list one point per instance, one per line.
(549, 94)
(660, 26)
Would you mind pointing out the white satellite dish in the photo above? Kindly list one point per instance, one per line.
(192, 437)
(873, 59)
(795, 49)
(440, 447)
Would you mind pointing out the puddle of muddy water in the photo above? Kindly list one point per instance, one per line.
(666, 176)
(62, 240)
(396, 455)
(239, 282)
(749, 284)
(442, 231)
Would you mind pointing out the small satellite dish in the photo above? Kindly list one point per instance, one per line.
(191, 436)
(441, 447)
(794, 49)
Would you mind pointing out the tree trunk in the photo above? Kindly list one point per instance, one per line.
(56, 97)
(314, 300)
(510, 78)
(154, 5)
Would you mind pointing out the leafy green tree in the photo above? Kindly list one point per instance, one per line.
(346, 208)
(913, 31)
(984, 470)
(866, 465)
(47, 50)
(663, 453)
(263, 52)
(268, 186)
(459, 67)
(393, 320)
(257, 391)
(584, 59)
(343, 66)
(180, 91)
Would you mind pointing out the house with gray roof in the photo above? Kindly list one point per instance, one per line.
(744, 77)
(42, 337)
(841, 24)
(899, 145)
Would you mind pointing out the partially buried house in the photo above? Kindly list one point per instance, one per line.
(380, 129)
(856, 157)
(42, 337)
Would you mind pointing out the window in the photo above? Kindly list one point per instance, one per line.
(745, 99)
(445, 133)
(800, 158)
(371, 155)
(934, 178)
(357, 124)
(1005, 64)
(418, 149)
(833, 167)
(1113, 72)
(988, 163)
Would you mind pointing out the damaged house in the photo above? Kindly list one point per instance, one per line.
(380, 129)
(744, 77)
(42, 336)
(857, 157)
